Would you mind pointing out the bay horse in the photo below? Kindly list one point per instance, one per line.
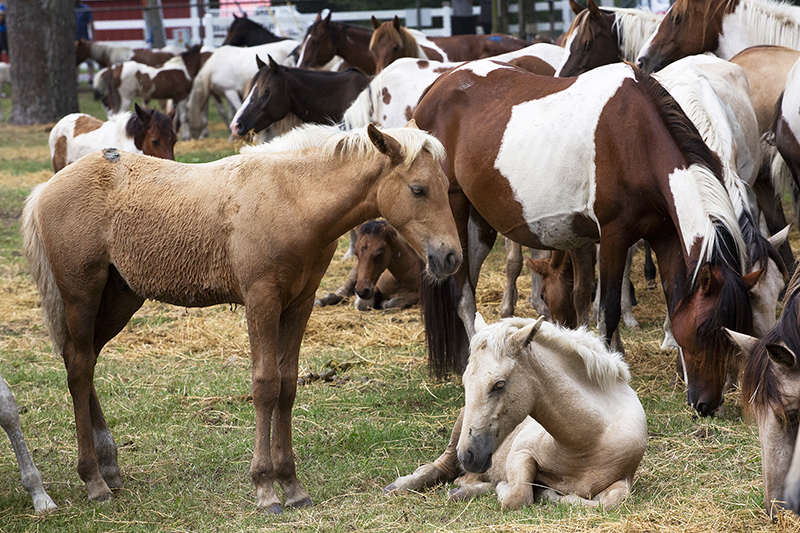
(542, 199)
(106, 54)
(771, 389)
(317, 96)
(723, 27)
(325, 39)
(391, 41)
(548, 414)
(115, 228)
(386, 274)
(246, 32)
(144, 131)
(31, 477)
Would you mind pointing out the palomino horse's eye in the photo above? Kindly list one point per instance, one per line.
(417, 190)
(499, 385)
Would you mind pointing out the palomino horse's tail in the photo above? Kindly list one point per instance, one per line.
(52, 306)
(445, 335)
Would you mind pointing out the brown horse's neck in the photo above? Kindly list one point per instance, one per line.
(352, 44)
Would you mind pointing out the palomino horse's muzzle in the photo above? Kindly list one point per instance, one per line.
(443, 261)
(477, 457)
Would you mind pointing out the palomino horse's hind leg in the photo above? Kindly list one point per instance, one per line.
(31, 478)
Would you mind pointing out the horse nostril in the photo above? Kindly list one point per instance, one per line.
(450, 261)
(365, 294)
(702, 408)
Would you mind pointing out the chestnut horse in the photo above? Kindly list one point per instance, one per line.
(386, 275)
(146, 132)
(114, 229)
(315, 96)
(391, 41)
(246, 32)
(508, 173)
(325, 39)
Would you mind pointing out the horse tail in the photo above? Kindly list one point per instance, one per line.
(197, 101)
(52, 306)
(444, 332)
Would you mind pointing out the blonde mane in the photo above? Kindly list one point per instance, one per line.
(332, 141)
(603, 366)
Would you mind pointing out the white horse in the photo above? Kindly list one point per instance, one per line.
(548, 412)
(31, 478)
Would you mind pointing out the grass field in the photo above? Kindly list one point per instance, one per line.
(175, 388)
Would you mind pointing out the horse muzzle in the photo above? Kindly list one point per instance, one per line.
(704, 403)
(477, 457)
(443, 261)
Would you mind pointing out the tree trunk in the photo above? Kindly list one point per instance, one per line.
(41, 46)
(154, 25)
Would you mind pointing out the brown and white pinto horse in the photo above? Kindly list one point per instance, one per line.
(724, 27)
(391, 41)
(115, 228)
(506, 140)
(325, 39)
(147, 132)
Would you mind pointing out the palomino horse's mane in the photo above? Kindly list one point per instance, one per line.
(634, 27)
(399, 35)
(603, 366)
(761, 389)
(331, 140)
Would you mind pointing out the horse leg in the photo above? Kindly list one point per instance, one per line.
(469, 486)
(612, 266)
(627, 306)
(536, 285)
(771, 208)
(649, 266)
(481, 237)
(31, 478)
(347, 289)
(583, 272)
(445, 468)
(351, 247)
(513, 269)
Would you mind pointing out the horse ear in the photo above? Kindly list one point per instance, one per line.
(752, 278)
(172, 114)
(235, 17)
(576, 7)
(328, 18)
(523, 337)
(593, 9)
(396, 23)
(782, 355)
(412, 124)
(705, 278)
(143, 115)
(480, 323)
(385, 144)
(540, 266)
(780, 237)
(272, 64)
(746, 343)
(260, 64)
(375, 23)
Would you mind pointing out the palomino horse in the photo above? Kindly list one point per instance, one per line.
(516, 180)
(114, 229)
(106, 54)
(31, 478)
(391, 41)
(143, 132)
(246, 32)
(724, 27)
(386, 275)
(315, 96)
(325, 39)
(548, 413)
(226, 74)
(771, 382)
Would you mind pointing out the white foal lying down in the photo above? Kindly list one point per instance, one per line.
(549, 413)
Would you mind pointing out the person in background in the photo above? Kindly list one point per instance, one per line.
(485, 18)
(84, 29)
(3, 34)
(463, 21)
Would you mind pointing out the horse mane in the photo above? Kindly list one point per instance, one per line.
(401, 36)
(634, 27)
(333, 141)
(362, 111)
(603, 366)
(373, 227)
(761, 390)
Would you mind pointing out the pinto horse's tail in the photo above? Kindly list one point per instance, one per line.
(52, 306)
(444, 332)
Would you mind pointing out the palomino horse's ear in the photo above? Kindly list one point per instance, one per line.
(593, 9)
(375, 23)
(782, 355)
(780, 237)
(385, 144)
(750, 280)
(523, 337)
(480, 323)
(396, 23)
(746, 343)
(576, 7)
(260, 64)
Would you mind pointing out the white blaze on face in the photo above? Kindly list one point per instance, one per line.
(548, 154)
(686, 195)
(238, 115)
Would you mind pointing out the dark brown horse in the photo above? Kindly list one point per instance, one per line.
(317, 96)
(246, 32)
(325, 39)
(552, 163)
(391, 41)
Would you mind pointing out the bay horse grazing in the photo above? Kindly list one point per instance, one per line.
(543, 200)
(724, 27)
(107, 55)
(246, 32)
(548, 414)
(771, 389)
(317, 96)
(391, 41)
(326, 39)
(31, 477)
(386, 274)
(147, 132)
(115, 228)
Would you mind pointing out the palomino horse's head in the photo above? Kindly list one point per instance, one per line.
(374, 254)
(592, 40)
(413, 196)
(690, 27)
(152, 132)
(268, 101)
(391, 41)
(318, 47)
(771, 392)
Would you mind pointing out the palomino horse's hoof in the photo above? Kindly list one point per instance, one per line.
(390, 489)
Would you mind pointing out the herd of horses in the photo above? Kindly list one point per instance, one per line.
(676, 130)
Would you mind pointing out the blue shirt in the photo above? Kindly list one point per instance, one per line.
(83, 17)
(3, 11)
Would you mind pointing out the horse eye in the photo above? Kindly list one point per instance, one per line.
(499, 385)
(396, 48)
(417, 191)
(155, 142)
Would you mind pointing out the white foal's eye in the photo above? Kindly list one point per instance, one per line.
(499, 385)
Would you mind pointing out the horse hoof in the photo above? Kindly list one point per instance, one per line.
(275, 508)
(102, 496)
(305, 502)
(389, 489)
(456, 495)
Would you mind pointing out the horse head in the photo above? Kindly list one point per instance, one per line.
(557, 284)
(391, 41)
(374, 253)
(153, 133)
(268, 100)
(592, 41)
(318, 47)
